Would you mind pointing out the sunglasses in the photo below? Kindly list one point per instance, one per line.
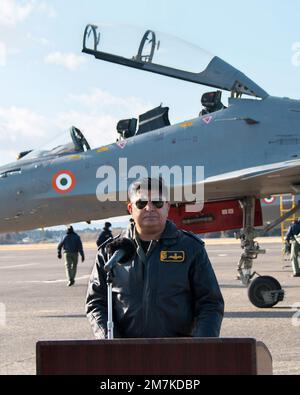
(140, 204)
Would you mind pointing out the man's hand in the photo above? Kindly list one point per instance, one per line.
(82, 258)
(287, 247)
(59, 255)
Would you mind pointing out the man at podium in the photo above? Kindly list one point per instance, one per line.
(168, 288)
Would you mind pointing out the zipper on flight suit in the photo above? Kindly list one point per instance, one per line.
(146, 288)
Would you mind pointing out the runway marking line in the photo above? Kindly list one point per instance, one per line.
(53, 281)
(17, 266)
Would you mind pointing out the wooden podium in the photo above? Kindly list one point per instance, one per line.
(169, 356)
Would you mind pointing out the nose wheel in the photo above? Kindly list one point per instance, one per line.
(265, 292)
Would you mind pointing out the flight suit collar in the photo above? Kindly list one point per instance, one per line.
(170, 231)
(139, 249)
(169, 236)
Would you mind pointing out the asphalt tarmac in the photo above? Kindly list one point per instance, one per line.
(36, 304)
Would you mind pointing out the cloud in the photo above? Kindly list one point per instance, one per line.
(99, 112)
(3, 54)
(98, 130)
(70, 61)
(45, 8)
(8, 156)
(97, 115)
(102, 101)
(12, 11)
(18, 122)
(22, 129)
(38, 40)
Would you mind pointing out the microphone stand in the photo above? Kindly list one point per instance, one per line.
(109, 280)
(119, 254)
(110, 324)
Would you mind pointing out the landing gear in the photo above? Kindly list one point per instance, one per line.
(251, 248)
(264, 291)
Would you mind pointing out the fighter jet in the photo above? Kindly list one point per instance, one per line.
(249, 150)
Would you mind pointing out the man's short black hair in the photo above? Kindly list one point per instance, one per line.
(107, 225)
(146, 185)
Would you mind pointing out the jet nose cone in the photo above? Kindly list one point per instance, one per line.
(11, 202)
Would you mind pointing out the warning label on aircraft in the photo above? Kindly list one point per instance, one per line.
(121, 144)
(63, 181)
(207, 120)
(186, 124)
(102, 149)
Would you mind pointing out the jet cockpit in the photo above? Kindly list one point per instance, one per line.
(70, 142)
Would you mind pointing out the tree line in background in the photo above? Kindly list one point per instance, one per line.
(90, 235)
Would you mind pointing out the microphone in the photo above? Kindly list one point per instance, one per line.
(122, 250)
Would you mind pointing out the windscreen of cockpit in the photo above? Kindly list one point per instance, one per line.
(150, 46)
(60, 145)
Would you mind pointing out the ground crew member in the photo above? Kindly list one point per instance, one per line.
(168, 289)
(105, 234)
(293, 238)
(71, 245)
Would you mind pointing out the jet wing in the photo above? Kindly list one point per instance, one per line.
(217, 73)
(261, 181)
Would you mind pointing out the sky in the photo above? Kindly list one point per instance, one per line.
(47, 84)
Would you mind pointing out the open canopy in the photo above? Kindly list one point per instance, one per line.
(166, 55)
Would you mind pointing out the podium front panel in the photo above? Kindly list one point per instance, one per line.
(171, 356)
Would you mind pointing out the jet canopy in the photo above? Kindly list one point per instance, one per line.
(166, 55)
(70, 142)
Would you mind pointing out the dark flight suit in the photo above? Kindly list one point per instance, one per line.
(169, 291)
(292, 235)
(103, 236)
(71, 245)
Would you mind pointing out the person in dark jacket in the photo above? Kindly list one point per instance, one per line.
(168, 289)
(105, 234)
(71, 245)
(293, 238)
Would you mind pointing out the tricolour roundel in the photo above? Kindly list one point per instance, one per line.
(63, 181)
(269, 200)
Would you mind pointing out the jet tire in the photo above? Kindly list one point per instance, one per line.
(265, 292)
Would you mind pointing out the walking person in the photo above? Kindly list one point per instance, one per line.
(105, 234)
(293, 238)
(72, 246)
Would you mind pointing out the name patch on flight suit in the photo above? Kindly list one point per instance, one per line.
(172, 256)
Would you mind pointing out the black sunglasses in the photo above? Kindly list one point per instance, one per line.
(140, 204)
